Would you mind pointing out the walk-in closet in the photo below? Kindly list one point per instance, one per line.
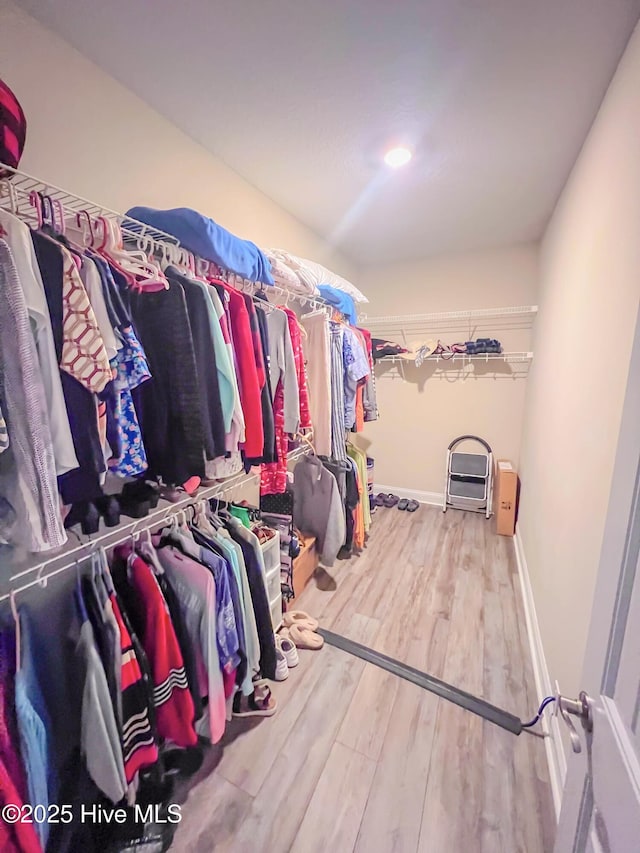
(319, 461)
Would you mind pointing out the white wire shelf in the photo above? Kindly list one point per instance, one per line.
(21, 185)
(506, 357)
(16, 190)
(37, 571)
(406, 320)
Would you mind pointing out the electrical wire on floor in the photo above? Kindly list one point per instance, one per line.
(527, 727)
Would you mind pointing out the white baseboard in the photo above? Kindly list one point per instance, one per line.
(556, 757)
(433, 498)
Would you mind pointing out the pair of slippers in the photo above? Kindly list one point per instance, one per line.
(386, 500)
(408, 505)
(391, 500)
(301, 629)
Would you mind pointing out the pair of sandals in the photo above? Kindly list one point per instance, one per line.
(408, 505)
(392, 500)
(301, 629)
(386, 500)
(261, 703)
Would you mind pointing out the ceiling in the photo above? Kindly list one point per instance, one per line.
(301, 99)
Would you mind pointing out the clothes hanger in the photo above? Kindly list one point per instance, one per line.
(8, 189)
(82, 219)
(140, 274)
(307, 441)
(36, 202)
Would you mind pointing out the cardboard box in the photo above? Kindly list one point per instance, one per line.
(505, 497)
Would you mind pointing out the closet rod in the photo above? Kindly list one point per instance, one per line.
(120, 534)
(22, 185)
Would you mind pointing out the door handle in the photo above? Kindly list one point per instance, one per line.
(581, 708)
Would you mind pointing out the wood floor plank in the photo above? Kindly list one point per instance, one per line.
(211, 816)
(277, 811)
(453, 799)
(392, 819)
(334, 813)
(365, 724)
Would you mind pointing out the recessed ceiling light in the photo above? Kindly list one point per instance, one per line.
(398, 156)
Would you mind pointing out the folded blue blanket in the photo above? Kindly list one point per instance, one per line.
(340, 300)
(206, 238)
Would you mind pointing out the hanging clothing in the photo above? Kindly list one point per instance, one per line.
(318, 508)
(34, 726)
(17, 236)
(20, 837)
(27, 469)
(169, 405)
(282, 366)
(286, 401)
(93, 285)
(99, 735)
(227, 385)
(317, 353)
(131, 368)
(254, 562)
(84, 482)
(370, 401)
(174, 709)
(235, 555)
(194, 587)
(205, 354)
(304, 415)
(337, 394)
(248, 378)
(356, 369)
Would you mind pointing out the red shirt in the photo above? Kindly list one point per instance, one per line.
(248, 378)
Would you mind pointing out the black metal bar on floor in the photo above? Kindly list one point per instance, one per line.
(465, 700)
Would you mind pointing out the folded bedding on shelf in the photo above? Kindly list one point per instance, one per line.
(290, 277)
(204, 237)
(314, 274)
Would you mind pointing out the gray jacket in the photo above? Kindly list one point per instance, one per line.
(318, 508)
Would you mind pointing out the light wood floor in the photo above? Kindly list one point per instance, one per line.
(356, 759)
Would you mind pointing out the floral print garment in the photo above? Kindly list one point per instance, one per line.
(130, 364)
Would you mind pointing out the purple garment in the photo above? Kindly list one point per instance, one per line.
(226, 630)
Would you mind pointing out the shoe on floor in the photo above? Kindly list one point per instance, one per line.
(305, 638)
(299, 617)
(255, 705)
(282, 667)
(288, 648)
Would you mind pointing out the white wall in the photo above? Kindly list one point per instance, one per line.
(91, 136)
(422, 414)
(589, 295)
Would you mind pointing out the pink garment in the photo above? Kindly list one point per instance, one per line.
(273, 475)
(301, 371)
